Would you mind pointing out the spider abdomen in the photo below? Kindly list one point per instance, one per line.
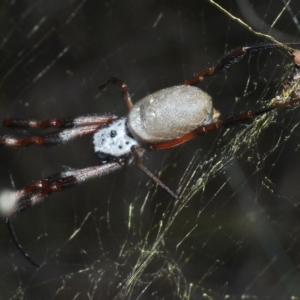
(170, 113)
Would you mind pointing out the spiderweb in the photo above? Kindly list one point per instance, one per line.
(234, 232)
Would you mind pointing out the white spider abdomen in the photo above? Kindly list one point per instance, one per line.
(170, 113)
(113, 140)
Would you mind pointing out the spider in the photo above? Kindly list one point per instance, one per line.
(161, 120)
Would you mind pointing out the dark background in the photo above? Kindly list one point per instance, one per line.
(233, 237)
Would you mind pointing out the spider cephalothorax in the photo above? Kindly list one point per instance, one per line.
(114, 141)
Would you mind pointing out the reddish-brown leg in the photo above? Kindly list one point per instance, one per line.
(231, 58)
(38, 190)
(50, 139)
(140, 165)
(124, 89)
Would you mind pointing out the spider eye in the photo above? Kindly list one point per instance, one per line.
(113, 133)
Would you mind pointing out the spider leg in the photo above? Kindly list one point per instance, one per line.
(18, 245)
(243, 116)
(42, 188)
(50, 139)
(231, 58)
(59, 123)
(50, 185)
(140, 165)
(124, 89)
